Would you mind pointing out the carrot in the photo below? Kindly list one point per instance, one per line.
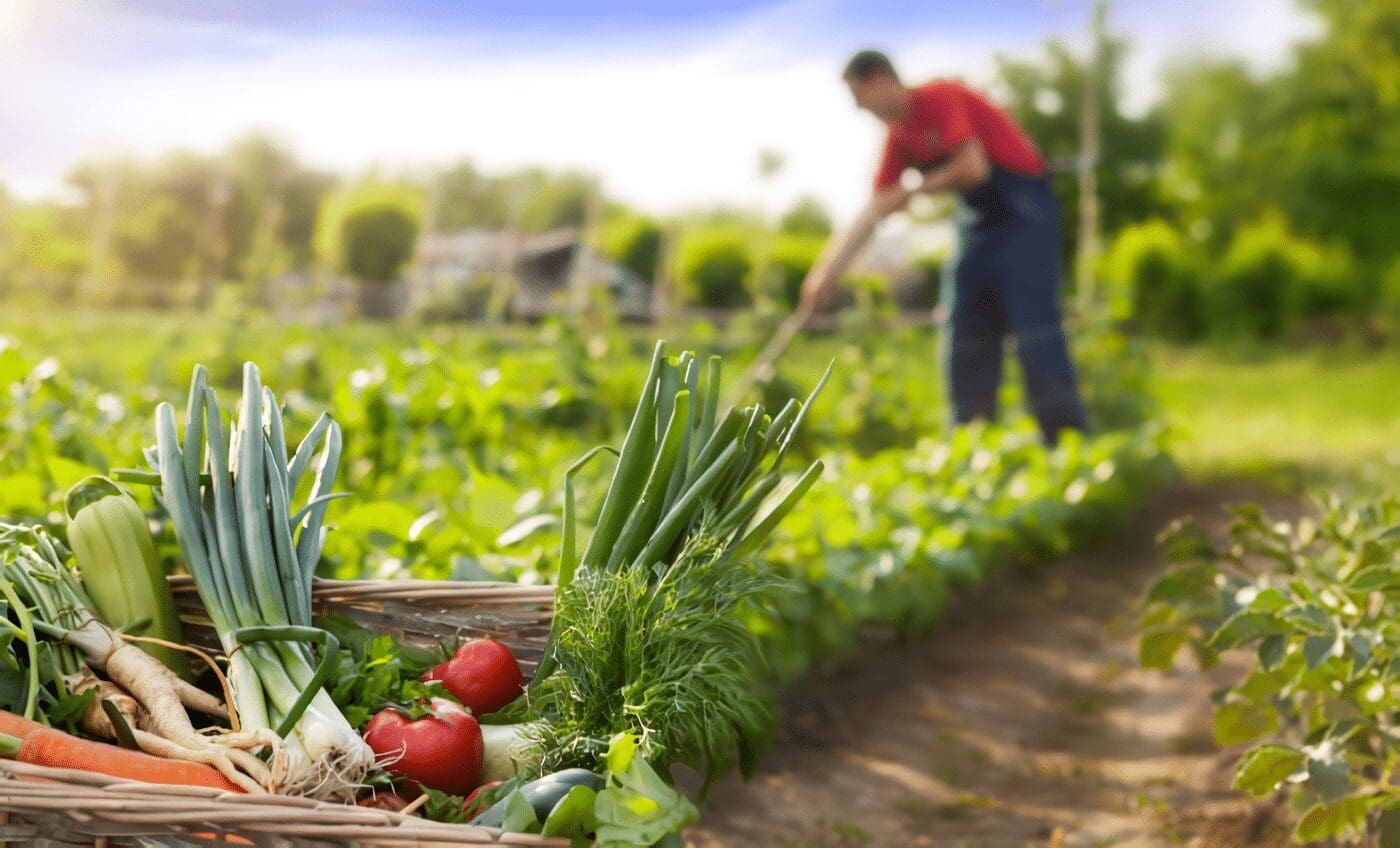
(17, 725)
(56, 749)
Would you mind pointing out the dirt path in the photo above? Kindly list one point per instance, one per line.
(1024, 714)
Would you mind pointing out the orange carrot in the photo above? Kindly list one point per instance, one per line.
(56, 749)
(17, 725)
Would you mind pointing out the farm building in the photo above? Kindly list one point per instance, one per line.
(459, 273)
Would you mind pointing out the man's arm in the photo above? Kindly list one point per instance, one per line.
(966, 168)
(841, 251)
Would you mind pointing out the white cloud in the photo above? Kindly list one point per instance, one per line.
(666, 127)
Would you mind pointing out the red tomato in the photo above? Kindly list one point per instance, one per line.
(473, 807)
(482, 675)
(441, 750)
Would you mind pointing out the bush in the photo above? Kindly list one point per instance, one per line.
(1390, 290)
(634, 242)
(376, 242)
(369, 231)
(1154, 281)
(920, 290)
(714, 264)
(792, 257)
(807, 217)
(1270, 277)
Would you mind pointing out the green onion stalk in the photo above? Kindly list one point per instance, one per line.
(252, 559)
(54, 664)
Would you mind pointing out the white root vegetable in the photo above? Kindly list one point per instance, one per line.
(506, 751)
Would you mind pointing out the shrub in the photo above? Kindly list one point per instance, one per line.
(376, 242)
(1154, 281)
(714, 264)
(1390, 291)
(634, 242)
(920, 290)
(369, 231)
(792, 257)
(1269, 277)
(1327, 282)
(807, 217)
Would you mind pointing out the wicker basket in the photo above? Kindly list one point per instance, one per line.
(80, 808)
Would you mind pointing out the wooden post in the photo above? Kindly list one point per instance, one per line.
(664, 299)
(421, 275)
(105, 201)
(581, 274)
(1086, 264)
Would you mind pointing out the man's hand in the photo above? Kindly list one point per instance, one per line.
(819, 288)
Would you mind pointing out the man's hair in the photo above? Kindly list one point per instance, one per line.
(868, 63)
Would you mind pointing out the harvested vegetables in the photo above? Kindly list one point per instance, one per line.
(482, 674)
(32, 569)
(649, 634)
(437, 745)
(45, 746)
(252, 558)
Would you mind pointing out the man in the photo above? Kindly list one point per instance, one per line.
(1005, 276)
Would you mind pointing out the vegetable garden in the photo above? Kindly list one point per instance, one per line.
(651, 566)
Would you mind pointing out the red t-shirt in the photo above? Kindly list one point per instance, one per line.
(944, 114)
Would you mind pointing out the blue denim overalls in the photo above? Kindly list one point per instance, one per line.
(1005, 280)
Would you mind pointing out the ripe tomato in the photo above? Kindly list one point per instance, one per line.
(482, 675)
(441, 748)
(474, 805)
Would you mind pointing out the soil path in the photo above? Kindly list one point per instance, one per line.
(1023, 720)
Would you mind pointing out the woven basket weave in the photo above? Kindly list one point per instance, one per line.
(81, 808)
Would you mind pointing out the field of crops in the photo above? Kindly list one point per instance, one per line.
(455, 446)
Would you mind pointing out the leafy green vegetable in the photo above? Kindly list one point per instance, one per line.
(573, 815)
(637, 808)
(376, 673)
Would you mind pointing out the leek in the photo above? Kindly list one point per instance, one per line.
(252, 559)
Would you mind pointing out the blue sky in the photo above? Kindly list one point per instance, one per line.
(668, 102)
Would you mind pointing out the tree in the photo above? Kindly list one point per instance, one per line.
(634, 242)
(1046, 96)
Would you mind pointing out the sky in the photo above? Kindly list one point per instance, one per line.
(668, 102)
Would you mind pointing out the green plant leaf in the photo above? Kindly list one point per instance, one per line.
(1328, 774)
(1158, 647)
(1242, 722)
(1265, 767)
(573, 815)
(1324, 821)
(1272, 650)
(1244, 626)
(520, 815)
(1318, 649)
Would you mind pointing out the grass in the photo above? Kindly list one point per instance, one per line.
(1289, 417)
